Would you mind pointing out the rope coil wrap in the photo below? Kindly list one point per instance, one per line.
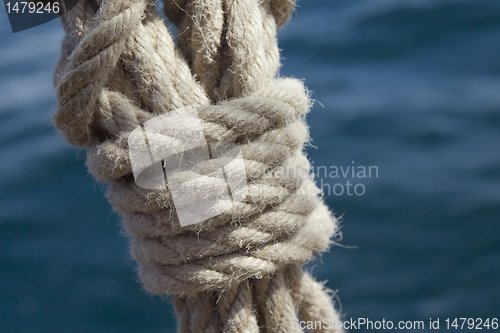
(239, 271)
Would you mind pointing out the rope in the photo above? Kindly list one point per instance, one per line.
(240, 271)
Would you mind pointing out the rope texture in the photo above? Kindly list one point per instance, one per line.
(240, 271)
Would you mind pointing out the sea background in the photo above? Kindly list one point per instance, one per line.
(409, 86)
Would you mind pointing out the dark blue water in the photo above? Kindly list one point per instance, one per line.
(410, 87)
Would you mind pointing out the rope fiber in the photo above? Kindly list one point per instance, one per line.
(240, 271)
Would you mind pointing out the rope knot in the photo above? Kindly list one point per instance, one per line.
(120, 83)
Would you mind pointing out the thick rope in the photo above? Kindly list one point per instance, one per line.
(239, 271)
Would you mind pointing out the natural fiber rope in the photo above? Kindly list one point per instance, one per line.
(239, 271)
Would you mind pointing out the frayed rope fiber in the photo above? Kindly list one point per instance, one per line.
(240, 271)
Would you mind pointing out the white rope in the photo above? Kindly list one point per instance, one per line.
(239, 271)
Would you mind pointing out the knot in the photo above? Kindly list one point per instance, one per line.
(280, 221)
(238, 270)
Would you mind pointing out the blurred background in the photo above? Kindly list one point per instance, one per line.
(409, 86)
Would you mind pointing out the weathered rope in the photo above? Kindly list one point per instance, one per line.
(239, 271)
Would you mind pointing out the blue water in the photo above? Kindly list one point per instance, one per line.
(411, 87)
